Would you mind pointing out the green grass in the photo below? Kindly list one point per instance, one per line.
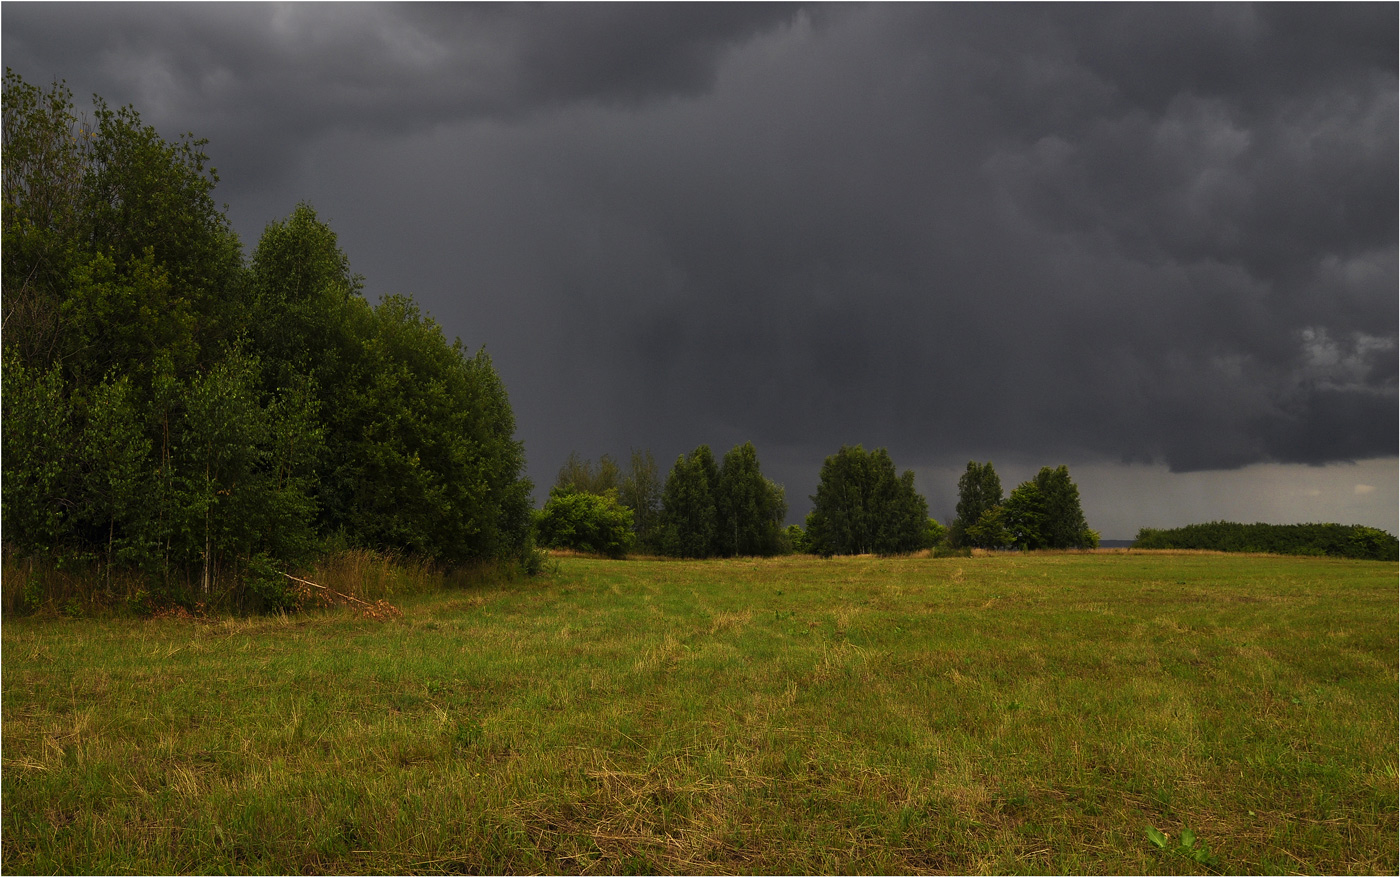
(986, 714)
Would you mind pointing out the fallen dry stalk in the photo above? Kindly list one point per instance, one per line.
(378, 610)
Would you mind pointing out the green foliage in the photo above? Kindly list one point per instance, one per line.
(245, 466)
(39, 444)
(935, 534)
(721, 511)
(796, 539)
(1332, 540)
(113, 246)
(1025, 517)
(45, 153)
(979, 490)
(422, 442)
(173, 412)
(1041, 513)
(1063, 525)
(1187, 847)
(269, 588)
(862, 507)
(149, 199)
(303, 302)
(749, 508)
(641, 491)
(990, 531)
(578, 474)
(689, 516)
(596, 523)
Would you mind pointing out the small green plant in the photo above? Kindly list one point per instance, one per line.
(33, 595)
(271, 591)
(1187, 846)
(138, 602)
(467, 734)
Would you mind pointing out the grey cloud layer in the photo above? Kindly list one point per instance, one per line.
(266, 80)
(1061, 232)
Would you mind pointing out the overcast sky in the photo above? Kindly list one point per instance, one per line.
(1155, 243)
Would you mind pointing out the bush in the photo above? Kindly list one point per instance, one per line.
(796, 539)
(270, 591)
(935, 534)
(589, 522)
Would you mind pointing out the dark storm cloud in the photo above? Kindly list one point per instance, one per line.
(266, 81)
(963, 234)
(1058, 232)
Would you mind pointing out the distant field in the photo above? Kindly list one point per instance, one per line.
(985, 714)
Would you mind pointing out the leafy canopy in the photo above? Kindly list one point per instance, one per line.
(862, 507)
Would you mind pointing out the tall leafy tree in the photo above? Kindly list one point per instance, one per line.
(40, 444)
(224, 426)
(1023, 518)
(749, 508)
(641, 491)
(990, 530)
(423, 444)
(689, 513)
(1064, 525)
(146, 198)
(302, 303)
(1043, 512)
(420, 454)
(905, 516)
(861, 506)
(46, 153)
(979, 491)
(114, 455)
(839, 522)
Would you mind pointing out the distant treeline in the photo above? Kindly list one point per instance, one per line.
(863, 505)
(1330, 540)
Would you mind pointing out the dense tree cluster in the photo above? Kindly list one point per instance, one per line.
(863, 507)
(703, 509)
(1331, 540)
(1041, 513)
(723, 510)
(173, 408)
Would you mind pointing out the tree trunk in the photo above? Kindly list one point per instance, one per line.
(208, 484)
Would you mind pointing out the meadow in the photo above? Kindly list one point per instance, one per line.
(1084, 713)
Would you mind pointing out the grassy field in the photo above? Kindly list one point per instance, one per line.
(986, 714)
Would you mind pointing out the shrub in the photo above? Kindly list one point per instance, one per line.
(935, 534)
(270, 590)
(796, 539)
(589, 522)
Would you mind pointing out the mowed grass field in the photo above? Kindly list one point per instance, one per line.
(903, 715)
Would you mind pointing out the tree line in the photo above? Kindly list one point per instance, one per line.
(702, 509)
(863, 505)
(1330, 540)
(174, 408)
